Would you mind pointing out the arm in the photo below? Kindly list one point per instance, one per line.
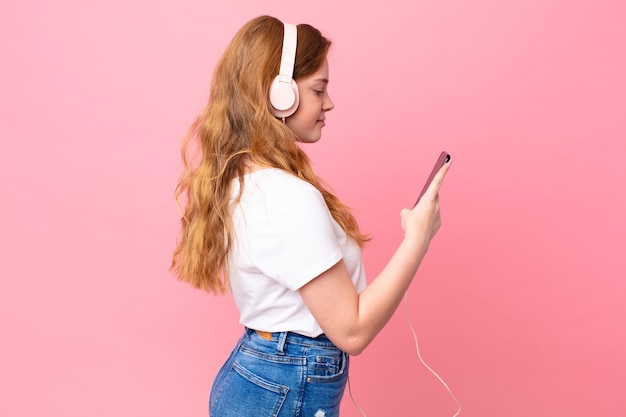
(352, 320)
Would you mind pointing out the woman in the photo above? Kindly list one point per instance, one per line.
(259, 221)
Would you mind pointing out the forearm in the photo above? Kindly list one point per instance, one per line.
(378, 302)
(352, 320)
(381, 298)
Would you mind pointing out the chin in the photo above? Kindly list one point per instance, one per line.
(309, 139)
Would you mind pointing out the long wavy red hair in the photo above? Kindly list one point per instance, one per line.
(236, 129)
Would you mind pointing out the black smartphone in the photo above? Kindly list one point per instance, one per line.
(443, 158)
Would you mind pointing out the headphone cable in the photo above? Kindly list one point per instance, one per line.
(419, 355)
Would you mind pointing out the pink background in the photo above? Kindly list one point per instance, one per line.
(520, 303)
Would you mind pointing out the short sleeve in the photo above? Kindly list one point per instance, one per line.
(291, 234)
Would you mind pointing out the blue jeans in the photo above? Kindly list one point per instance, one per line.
(290, 375)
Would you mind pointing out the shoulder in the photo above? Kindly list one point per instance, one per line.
(277, 186)
(273, 197)
(278, 177)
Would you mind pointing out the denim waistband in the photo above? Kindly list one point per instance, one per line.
(283, 338)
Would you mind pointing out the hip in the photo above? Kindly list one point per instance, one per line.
(280, 374)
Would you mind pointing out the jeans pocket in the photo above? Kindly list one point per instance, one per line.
(327, 366)
(243, 393)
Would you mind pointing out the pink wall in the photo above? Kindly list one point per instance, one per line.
(520, 303)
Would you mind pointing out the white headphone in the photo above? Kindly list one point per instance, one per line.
(284, 96)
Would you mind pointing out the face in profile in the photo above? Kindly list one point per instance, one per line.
(309, 119)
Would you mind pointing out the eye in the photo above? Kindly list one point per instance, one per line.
(319, 92)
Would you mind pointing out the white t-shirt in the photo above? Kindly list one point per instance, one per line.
(284, 237)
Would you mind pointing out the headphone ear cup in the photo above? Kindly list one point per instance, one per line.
(284, 97)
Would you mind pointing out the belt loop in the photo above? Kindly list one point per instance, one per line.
(282, 339)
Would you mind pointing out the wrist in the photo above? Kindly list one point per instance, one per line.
(415, 243)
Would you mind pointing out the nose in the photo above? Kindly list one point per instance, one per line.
(328, 104)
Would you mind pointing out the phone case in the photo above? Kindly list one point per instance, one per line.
(443, 158)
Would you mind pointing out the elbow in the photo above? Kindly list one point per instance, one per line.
(354, 351)
(353, 346)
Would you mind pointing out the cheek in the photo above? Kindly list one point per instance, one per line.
(294, 121)
(312, 114)
(301, 119)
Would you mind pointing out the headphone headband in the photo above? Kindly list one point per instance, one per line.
(284, 96)
(288, 57)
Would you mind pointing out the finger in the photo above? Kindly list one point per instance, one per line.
(435, 185)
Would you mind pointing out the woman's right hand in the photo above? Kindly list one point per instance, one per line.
(423, 221)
